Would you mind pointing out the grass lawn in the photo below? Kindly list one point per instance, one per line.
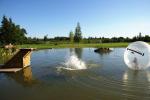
(47, 46)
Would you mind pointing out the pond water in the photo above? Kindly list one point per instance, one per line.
(106, 77)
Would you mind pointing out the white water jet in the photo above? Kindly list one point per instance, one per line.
(74, 63)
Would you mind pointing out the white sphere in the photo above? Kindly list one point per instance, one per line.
(137, 55)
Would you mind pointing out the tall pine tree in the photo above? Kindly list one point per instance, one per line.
(78, 33)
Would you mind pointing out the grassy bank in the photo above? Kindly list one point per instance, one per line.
(46, 46)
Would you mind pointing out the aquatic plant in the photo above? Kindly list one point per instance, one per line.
(6, 54)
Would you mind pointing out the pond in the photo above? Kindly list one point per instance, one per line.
(106, 77)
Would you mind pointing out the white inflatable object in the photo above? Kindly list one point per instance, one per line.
(137, 55)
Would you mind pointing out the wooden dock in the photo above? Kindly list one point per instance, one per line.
(9, 70)
(19, 61)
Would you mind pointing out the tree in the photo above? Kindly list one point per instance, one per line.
(45, 38)
(78, 33)
(140, 36)
(4, 30)
(146, 38)
(11, 33)
(71, 35)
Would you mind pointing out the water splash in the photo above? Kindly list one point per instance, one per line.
(74, 63)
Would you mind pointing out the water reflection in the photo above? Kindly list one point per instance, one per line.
(148, 76)
(137, 78)
(47, 51)
(78, 52)
(104, 53)
(136, 84)
(135, 75)
(23, 77)
(27, 74)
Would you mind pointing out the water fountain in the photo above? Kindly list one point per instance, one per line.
(73, 60)
(74, 63)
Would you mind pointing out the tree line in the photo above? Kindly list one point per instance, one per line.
(12, 33)
(139, 37)
(70, 39)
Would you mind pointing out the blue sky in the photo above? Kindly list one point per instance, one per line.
(97, 18)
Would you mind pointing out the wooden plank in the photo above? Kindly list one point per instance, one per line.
(9, 70)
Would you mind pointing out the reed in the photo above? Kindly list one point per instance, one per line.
(6, 54)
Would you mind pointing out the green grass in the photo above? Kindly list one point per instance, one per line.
(96, 45)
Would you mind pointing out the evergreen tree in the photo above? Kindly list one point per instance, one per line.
(45, 37)
(78, 33)
(71, 35)
(140, 36)
(5, 28)
(11, 33)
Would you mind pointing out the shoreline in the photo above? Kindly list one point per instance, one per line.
(90, 45)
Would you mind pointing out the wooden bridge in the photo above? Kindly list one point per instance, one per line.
(19, 61)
